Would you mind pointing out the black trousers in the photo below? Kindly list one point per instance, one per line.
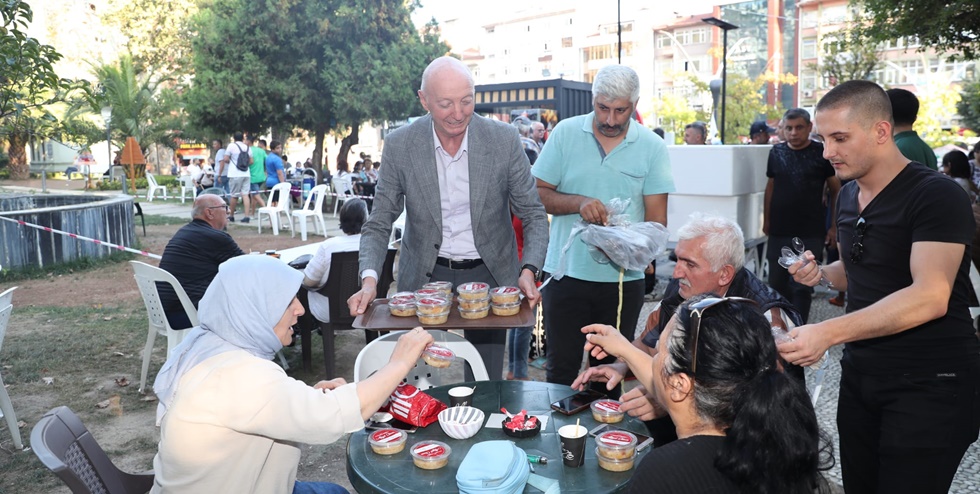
(569, 305)
(905, 433)
(779, 279)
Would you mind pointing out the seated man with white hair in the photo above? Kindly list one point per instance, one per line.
(710, 259)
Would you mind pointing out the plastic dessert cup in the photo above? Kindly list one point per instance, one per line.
(505, 295)
(402, 295)
(438, 356)
(473, 291)
(446, 287)
(433, 319)
(432, 305)
(467, 304)
(431, 455)
(429, 292)
(511, 309)
(402, 306)
(606, 411)
(616, 445)
(387, 441)
(615, 465)
(474, 313)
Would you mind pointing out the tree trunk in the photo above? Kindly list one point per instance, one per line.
(348, 142)
(19, 169)
(319, 134)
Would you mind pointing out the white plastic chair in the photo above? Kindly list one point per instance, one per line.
(5, 405)
(281, 207)
(152, 187)
(146, 279)
(340, 186)
(397, 229)
(376, 354)
(312, 209)
(187, 185)
(6, 298)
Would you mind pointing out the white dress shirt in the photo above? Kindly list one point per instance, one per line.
(454, 194)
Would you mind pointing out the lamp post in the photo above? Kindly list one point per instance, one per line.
(725, 27)
(107, 116)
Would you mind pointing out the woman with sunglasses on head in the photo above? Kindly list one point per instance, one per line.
(743, 426)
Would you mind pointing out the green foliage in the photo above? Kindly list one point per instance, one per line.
(4, 159)
(851, 56)
(83, 264)
(743, 106)
(969, 105)
(945, 25)
(335, 63)
(158, 34)
(27, 75)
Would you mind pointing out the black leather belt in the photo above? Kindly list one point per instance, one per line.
(464, 264)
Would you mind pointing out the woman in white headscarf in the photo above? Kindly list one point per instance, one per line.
(229, 416)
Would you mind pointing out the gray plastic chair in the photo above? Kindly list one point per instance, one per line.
(5, 405)
(67, 448)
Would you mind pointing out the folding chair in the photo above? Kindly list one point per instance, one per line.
(147, 279)
(67, 448)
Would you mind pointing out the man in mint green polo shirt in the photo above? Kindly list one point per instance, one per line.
(587, 161)
(256, 172)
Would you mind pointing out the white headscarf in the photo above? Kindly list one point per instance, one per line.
(239, 310)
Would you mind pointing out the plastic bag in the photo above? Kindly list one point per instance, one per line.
(631, 246)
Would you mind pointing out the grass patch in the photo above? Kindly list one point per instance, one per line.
(80, 265)
(159, 220)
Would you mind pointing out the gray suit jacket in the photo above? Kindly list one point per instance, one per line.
(500, 179)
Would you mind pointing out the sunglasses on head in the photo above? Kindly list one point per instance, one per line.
(697, 310)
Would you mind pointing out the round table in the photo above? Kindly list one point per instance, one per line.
(372, 473)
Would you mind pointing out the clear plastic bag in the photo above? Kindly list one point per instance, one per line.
(631, 246)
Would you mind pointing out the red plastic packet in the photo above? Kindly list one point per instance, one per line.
(414, 407)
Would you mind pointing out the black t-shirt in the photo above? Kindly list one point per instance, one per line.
(683, 466)
(796, 208)
(193, 256)
(918, 205)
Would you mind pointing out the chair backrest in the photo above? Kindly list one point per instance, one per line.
(7, 297)
(342, 186)
(315, 198)
(282, 196)
(67, 448)
(376, 354)
(150, 179)
(342, 282)
(150, 279)
(186, 181)
(4, 320)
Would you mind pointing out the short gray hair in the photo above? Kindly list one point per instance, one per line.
(723, 240)
(616, 82)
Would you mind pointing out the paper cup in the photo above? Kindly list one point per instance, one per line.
(461, 396)
(572, 444)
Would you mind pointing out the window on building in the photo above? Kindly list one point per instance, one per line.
(808, 48)
(692, 36)
(808, 81)
(809, 19)
(566, 42)
(663, 41)
(490, 30)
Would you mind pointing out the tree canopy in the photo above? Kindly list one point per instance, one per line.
(320, 65)
(157, 33)
(969, 105)
(946, 25)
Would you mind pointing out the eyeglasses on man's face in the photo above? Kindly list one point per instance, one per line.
(697, 310)
(223, 206)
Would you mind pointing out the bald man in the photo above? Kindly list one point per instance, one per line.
(457, 176)
(193, 255)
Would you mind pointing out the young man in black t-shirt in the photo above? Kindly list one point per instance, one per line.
(909, 403)
(794, 202)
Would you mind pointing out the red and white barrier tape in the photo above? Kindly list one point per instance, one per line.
(80, 237)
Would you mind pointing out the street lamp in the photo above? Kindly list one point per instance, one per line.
(107, 116)
(725, 27)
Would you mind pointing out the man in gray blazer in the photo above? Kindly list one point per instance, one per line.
(458, 176)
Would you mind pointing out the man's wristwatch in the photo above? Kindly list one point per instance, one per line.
(534, 270)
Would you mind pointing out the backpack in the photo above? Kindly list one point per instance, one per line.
(243, 160)
(499, 467)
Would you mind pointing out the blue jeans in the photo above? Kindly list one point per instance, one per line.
(518, 347)
(223, 182)
(318, 488)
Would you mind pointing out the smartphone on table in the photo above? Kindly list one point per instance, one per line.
(642, 440)
(577, 402)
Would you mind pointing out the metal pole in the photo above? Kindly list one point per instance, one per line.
(724, 80)
(619, 29)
